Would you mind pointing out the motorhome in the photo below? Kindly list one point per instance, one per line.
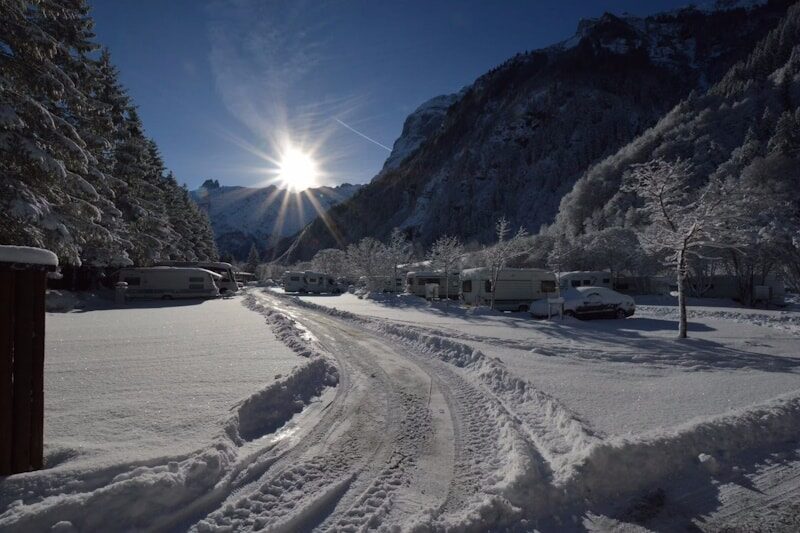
(417, 280)
(516, 287)
(292, 281)
(227, 284)
(310, 282)
(380, 283)
(596, 278)
(170, 282)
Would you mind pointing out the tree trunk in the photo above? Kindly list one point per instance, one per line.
(446, 288)
(682, 322)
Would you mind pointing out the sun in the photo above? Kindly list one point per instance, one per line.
(297, 170)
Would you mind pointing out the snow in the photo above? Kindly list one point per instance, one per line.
(143, 426)
(586, 464)
(399, 414)
(152, 379)
(621, 377)
(27, 255)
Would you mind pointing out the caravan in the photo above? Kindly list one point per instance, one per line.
(227, 282)
(516, 287)
(416, 282)
(309, 282)
(599, 278)
(170, 282)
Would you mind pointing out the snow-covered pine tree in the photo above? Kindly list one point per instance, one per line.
(77, 174)
(45, 199)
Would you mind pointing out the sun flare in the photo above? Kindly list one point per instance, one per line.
(297, 170)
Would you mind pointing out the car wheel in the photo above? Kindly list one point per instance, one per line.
(621, 313)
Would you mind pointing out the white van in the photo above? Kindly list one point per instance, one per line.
(227, 283)
(170, 282)
(416, 281)
(516, 287)
(594, 278)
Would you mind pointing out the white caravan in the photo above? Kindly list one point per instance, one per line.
(293, 281)
(598, 278)
(311, 282)
(227, 284)
(516, 287)
(416, 281)
(170, 282)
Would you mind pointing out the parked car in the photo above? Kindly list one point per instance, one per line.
(588, 302)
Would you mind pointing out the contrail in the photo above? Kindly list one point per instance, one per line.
(373, 141)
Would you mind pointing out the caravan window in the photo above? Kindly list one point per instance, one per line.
(606, 280)
(133, 281)
(196, 280)
(312, 280)
(548, 286)
(295, 278)
(587, 282)
(467, 286)
(576, 283)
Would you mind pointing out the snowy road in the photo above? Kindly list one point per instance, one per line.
(404, 440)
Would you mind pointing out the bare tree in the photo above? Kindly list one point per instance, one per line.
(684, 220)
(331, 261)
(446, 255)
(367, 258)
(498, 256)
(397, 251)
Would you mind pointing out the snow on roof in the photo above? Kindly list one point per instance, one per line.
(27, 255)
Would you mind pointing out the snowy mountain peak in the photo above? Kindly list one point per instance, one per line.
(418, 127)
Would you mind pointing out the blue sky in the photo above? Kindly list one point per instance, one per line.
(224, 85)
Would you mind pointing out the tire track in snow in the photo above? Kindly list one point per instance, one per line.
(355, 465)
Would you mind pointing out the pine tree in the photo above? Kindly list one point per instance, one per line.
(253, 258)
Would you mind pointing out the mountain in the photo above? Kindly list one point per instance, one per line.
(241, 216)
(517, 140)
(745, 126)
(418, 127)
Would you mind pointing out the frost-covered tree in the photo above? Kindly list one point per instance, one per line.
(77, 174)
(397, 251)
(368, 258)
(685, 220)
(331, 261)
(497, 257)
(446, 255)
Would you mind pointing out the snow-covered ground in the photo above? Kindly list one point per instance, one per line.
(621, 376)
(151, 379)
(402, 415)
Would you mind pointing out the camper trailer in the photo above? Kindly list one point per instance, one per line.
(170, 282)
(310, 282)
(227, 284)
(516, 287)
(416, 282)
(599, 278)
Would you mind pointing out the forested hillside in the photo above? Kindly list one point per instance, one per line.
(516, 141)
(78, 175)
(748, 124)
